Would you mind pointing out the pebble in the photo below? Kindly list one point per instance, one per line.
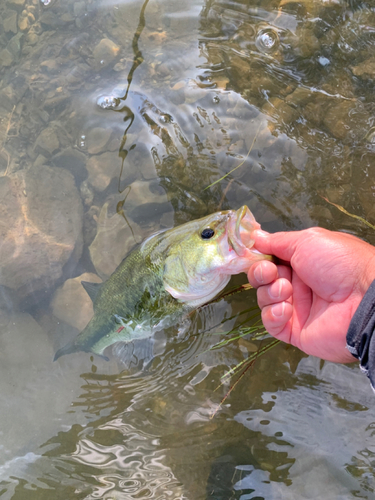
(73, 160)
(87, 193)
(36, 395)
(14, 45)
(10, 21)
(40, 227)
(147, 202)
(193, 92)
(23, 21)
(51, 20)
(6, 58)
(32, 38)
(102, 169)
(71, 303)
(114, 239)
(365, 70)
(49, 66)
(105, 53)
(47, 142)
(346, 119)
(97, 139)
(79, 8)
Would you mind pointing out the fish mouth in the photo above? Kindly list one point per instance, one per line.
(241, 225)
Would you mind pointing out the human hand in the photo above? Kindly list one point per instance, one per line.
(310, 300)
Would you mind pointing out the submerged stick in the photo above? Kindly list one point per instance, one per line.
(342, 209)
(238, 166)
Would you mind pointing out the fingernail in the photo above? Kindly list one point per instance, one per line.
(275, 290)
(259, 233)
(258, 273)
(278, 309)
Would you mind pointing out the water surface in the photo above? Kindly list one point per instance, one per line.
(115, 119)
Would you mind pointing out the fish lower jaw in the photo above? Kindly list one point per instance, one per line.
(242, 263)
(204, 294)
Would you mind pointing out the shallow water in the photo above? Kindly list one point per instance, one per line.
(114, 120)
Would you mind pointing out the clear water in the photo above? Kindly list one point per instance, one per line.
(114, 119)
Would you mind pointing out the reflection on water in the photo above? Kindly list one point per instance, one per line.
(114, 120)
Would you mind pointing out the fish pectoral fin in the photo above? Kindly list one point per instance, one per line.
(92, 289)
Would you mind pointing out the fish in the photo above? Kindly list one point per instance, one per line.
(169, 275)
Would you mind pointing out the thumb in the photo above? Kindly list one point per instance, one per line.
(281, 245)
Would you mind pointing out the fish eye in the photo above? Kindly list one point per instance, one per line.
(207, 233)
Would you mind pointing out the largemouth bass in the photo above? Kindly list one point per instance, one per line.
(169, 275)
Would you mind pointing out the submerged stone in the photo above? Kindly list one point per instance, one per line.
(105, 53)
(10, 21)
(6, 58)
(40, 227)
(365, 70)
(47, 142)
(71, 303)
(17, 3)
(73, 160)
(346, 120)
(102, 169)
(114, 239)
(97, 140)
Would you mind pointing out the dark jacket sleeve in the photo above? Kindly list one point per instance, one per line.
(360, 338)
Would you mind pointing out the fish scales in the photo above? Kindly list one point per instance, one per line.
(167, 276)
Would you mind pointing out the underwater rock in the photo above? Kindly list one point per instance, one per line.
(87, 193)
(8, 98)
(105, 52)
(102, 169)
(146, 200)
(71, 303)
(40, 227)
(365, 70)
(97, 139)
(114, 239)
(346, 120)
(47, 142)
(79, 8)
(6, 58)
(31, 38)
(49, 66)
(314, 112)
(50, 20)
(23, 21)
(35, 395)
(17, 3)
(193, 92)
(73, 160)
(10, 21)
(21, 334)
(14, 46)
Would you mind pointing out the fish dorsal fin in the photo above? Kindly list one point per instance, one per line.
(92, 289)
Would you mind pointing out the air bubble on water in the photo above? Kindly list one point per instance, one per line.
(165, 118)
(82, 141)
(216, 99)
(267, 40)
(45, 2)
(107, 102)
